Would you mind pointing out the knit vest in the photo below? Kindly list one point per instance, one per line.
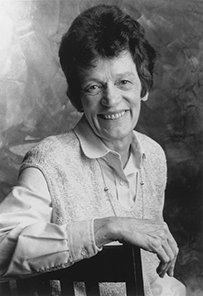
(76, 185)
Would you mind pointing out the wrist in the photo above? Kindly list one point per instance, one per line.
(105, 231)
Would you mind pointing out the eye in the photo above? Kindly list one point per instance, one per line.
(93, 89)
(125, 84)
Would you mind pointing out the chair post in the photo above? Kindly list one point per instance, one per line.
(135, 277)
(137, 262)
(67, 287)
(5, 289)
(92, 289)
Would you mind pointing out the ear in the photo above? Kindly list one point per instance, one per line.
(145, 98)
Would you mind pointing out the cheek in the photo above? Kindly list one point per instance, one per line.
(89, 110)
(136, 106)
(91, 105)
(135, 102)
(84, 102)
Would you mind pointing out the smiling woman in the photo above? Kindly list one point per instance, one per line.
(100, 182)
(111, 97)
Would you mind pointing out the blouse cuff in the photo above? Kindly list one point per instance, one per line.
(81, 240)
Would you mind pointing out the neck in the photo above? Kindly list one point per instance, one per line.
(122, 147)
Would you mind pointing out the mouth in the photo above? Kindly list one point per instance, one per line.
(112, 116)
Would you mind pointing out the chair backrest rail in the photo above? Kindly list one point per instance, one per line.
(113, 264)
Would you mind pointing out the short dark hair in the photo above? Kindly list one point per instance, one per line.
(104, 31)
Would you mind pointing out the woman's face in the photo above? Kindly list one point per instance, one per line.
(111, 97)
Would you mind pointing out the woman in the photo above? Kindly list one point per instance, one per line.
(100, 182)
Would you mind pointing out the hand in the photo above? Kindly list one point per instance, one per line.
(149, 235)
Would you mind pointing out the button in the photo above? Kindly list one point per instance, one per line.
(84, 253)
(122, 182)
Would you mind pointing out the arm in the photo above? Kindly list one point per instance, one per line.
(29, 242)
(150, 235)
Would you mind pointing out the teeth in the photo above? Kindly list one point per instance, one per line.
(114, 116)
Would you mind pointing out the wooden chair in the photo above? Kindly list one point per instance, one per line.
(113, 264)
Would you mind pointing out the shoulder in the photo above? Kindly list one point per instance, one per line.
(59, 141)
(150, 147)
(154, 164)
(53, 147)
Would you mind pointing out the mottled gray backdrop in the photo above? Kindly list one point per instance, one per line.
(33, 103)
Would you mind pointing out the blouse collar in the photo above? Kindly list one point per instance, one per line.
(93, 147)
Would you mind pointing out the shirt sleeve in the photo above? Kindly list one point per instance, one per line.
(29, 242)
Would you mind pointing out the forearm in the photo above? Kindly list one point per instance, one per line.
(110, 229)
(43, 247)
(29, 242)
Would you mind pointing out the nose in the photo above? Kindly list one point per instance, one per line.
(111, 96)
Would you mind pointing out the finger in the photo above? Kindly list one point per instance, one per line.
(164, 256)
(173, 256)
(161, 269)
(171, 240)
(173, 246)
(171, 249)
(168, 267)
(171, 268)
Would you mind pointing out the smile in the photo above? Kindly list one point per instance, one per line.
(112, 116)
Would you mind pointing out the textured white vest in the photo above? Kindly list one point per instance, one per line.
(76, 186)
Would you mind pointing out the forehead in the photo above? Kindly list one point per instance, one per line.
(120, 65)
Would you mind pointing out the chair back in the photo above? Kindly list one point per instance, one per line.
(113, 264)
